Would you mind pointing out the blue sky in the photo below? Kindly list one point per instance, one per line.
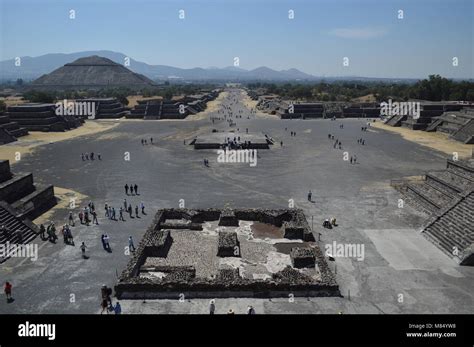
(259, 32)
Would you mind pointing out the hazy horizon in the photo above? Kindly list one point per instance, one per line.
(259, 33)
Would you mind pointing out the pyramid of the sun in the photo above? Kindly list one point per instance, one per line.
(92, 72)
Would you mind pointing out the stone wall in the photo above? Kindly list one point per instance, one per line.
(228, 282)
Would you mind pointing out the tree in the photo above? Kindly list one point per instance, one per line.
(168, 94)
(470, 95)
(39, 96)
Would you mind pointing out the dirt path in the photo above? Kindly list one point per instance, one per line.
(434, 140)
(25, 145)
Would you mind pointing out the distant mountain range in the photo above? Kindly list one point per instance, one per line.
(34, 67)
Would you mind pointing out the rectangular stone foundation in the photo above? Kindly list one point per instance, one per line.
(226, 282)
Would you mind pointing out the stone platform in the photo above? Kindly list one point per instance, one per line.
(218, 140)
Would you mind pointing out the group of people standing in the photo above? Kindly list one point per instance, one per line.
(106, 301)
(212, 308)
(87, 215)
(133, 189)
(145, 142)
(87, 156)
(50, 231)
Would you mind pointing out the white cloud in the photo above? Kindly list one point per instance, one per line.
(358, 33)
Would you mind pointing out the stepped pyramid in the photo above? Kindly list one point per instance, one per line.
(92, 72)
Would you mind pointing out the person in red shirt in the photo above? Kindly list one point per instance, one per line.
(8, 290)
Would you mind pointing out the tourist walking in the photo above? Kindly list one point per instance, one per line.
(69, 237)
(51, 231)
(63, 231)
(121, 214)
(212, 306)
(250, 310)
(8, 291)
(103, 242)
(71, 219)
(142, 205)
(104, 305)
(136, 212)
(136, 189)
(126, 189)
(83, 250)
(310, 196)
(131, 246)
(42, 232)
(94, 218)
(117, 308)
(106, 243)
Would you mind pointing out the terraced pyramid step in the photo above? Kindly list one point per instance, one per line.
(13, 229)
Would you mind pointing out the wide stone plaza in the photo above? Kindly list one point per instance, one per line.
(396, 269)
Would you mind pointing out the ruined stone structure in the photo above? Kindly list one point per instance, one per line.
(228, 245)
(171, 109)
(458, 124)
(41, 117)
(303, 257)
(218, 140)
(10, 131)
(300, 110)
(228, 218)
(448, 197)
(106, 108)
(447, 118)
(428, 114)
(174, 281)
(361, 110)
(20, 202)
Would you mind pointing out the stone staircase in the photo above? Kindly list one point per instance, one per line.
(396, 121)
(440, 188)
(107, 108)
(10, 131)
(452, 230)
(465, 133)
(21, 201)
(448, 196)
(12, 224)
